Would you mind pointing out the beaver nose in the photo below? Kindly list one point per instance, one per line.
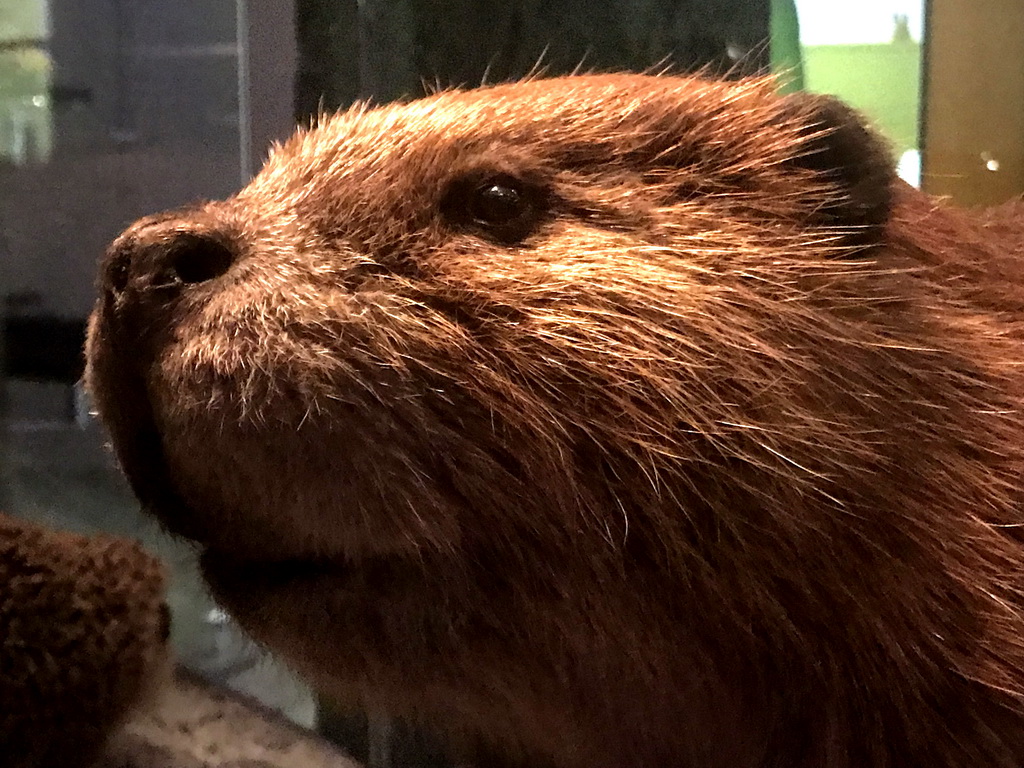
(165, 257)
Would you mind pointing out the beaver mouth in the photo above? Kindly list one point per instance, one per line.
(139, 445)
(226, 569)
(235, 555)
(142, 458)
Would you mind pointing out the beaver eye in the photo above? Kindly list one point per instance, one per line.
(497, 204)
(502, 208)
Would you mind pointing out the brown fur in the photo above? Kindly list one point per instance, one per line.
(717, 463)
(83, 631)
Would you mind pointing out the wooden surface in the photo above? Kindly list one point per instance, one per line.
(192, 724)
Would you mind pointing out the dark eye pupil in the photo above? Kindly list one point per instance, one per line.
(497, 207)
(497, 204)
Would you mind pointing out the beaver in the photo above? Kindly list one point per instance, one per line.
(608, 420)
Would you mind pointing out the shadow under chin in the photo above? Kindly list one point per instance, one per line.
(246, 584)
(229, 570)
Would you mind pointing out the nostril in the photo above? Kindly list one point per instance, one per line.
(196, 259)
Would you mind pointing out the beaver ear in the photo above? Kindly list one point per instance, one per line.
(853, 158)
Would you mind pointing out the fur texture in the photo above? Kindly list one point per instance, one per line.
(83, 632)
(605, 420)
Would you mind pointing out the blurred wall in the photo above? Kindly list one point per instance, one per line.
(145, 105)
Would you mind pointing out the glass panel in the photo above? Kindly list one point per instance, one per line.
(869, 54)
(109, 109)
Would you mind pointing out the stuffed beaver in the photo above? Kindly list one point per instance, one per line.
(618, 420)
(83, 631)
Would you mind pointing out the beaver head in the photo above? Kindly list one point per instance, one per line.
(603, 420)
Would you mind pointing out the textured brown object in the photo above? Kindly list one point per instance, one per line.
(83, 629)
(599, 421)
(193, 724)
